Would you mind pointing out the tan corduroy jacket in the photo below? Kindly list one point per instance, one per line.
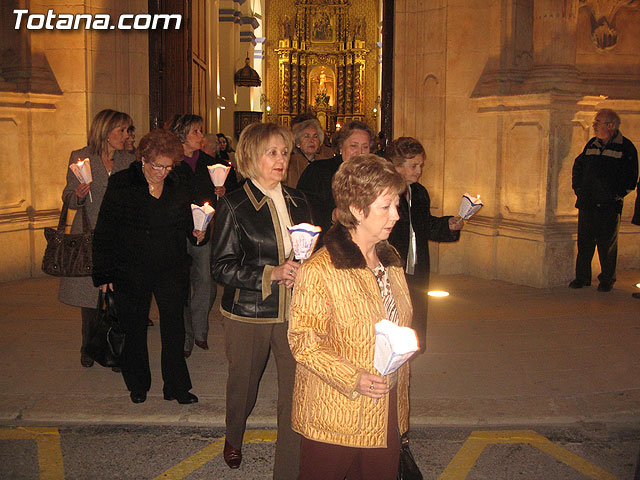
(336, 303)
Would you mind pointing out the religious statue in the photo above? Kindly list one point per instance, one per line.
(287, 27)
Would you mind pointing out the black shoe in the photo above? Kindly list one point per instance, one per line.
(636, 295)
(578, 284)
(184, 398)
(138, 397)
(85, 360)
(605, 287)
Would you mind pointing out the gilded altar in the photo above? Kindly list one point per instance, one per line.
(326, 60)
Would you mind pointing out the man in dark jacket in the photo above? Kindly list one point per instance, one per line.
(603, 174)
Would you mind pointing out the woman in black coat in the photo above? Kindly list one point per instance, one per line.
(416, 227)
(139, 249)
(193, 170)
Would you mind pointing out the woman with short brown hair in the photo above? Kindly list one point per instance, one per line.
(349, 416)
(139, 249)
(416, 227)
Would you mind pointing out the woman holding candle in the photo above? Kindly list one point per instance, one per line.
(139, 249)
(349, 416)
(193, 171)
(252, 257)
(416, 227)
(106, 142)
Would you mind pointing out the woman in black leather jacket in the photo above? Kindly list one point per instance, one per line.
(252, 256)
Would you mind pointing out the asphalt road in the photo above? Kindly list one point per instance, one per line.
(103, 452)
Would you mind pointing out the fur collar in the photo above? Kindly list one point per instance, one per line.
(345, 253)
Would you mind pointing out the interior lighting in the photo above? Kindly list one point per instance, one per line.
(637, 285)
(438, 293)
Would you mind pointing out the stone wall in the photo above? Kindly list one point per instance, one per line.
(52, 83)
(502, 95)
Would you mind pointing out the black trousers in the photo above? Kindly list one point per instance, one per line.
(132, 300)
(597, 227)
(418, 288)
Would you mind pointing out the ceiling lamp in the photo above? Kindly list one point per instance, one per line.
(247, 76)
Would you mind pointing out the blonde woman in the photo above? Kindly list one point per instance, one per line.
(105, 150)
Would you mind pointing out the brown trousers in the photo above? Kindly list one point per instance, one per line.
(247, 347)
(325, 461)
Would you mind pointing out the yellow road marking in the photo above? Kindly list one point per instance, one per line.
(49, 450)
(463, 461)
(208, 453)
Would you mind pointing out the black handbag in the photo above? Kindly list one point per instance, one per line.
(68, 255)
(106, 337)
(407, 467)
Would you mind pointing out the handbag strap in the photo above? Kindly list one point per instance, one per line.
(62, 223)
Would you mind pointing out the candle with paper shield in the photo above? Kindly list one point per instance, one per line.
(82, 170)
(469, 206)
(304, 237)
(394, 346)
(202, 216)
(218, 174)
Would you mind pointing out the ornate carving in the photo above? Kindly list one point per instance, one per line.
(319, 35)
(603, 20)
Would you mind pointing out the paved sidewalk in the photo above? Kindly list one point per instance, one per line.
(497, 354)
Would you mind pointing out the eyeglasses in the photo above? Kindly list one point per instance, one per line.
(160, 168)
(598, 122)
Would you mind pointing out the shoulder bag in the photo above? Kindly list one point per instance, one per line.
(68, 254)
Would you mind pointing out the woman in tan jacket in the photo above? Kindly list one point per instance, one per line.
(349, 416)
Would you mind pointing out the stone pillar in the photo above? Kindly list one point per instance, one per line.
(554, 29)
(554, 48)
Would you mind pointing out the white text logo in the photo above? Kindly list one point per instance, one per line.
(99, 21)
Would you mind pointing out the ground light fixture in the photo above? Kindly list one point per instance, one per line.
(438, 293)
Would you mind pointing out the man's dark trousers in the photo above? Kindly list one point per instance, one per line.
(598, 227)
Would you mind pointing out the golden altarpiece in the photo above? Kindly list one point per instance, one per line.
(324, 61)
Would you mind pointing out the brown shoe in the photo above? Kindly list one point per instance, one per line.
(232, 456)
(203, 345)
(85, 360)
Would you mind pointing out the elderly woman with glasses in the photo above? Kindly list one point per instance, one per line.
(252, 256)
(350, 417)
(139, 249)
(354, 138)
(309, 138)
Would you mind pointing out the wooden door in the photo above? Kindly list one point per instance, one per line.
(170, 80)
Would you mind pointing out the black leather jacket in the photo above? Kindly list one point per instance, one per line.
(247, 245)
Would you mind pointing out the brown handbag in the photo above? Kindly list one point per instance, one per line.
(68, 254)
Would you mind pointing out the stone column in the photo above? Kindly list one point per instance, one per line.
(555, 25)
